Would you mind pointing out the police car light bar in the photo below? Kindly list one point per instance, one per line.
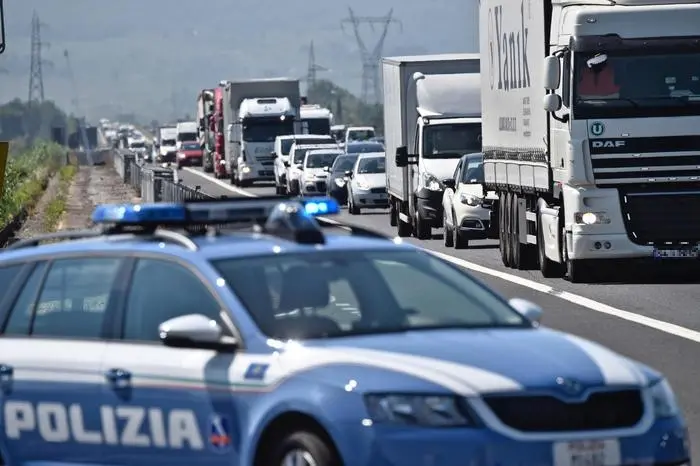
(208, 212)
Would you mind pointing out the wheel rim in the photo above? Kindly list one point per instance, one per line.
(298, 458)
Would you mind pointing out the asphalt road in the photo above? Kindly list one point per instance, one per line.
(652, 317)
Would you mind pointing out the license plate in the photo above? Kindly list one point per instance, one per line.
(676, 253)
(587, 453)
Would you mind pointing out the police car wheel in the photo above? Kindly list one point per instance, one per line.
(302, 449)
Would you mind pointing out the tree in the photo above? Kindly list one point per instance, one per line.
(347, 108)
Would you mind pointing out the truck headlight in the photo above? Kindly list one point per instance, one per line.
(591, 218)
(665, 404)
(470, 199)
(431, 183)
(417, 410)
(245, 169)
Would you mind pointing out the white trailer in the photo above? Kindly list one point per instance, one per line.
(591, 120)
(255, 113)
(431, 118)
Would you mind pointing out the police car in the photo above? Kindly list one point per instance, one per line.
(178, 334)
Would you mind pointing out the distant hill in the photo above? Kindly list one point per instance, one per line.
(151, 56)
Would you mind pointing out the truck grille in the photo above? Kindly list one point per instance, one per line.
(603, 410)
(627, 161)
(661, 216)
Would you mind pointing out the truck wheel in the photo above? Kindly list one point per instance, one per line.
(577, 270)
(393, 214)
(421, 228)
(508, 236)
(403, 229)
(302, 449)
(502, 228)
(447, 235)
(524, 255)
(548, 267)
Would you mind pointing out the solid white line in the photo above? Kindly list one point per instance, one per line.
(220, 183)
(666, 327)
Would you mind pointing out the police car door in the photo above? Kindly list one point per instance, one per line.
(51, 351)
(170, 405)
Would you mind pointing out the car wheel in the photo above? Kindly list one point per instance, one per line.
(300, 449)
(447, 234)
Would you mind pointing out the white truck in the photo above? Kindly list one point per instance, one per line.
(591, 123)
(186, 132)
(255, 113)
(167, 144)
(316, 119)
(432, 117)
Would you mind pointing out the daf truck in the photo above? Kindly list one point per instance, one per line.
(432, 117)
(255, 113)
(591, 128)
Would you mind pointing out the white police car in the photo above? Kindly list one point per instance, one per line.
(176, 335)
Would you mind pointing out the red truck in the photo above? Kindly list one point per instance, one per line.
(216, 123)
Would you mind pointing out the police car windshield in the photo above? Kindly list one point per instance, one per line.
(335, 294)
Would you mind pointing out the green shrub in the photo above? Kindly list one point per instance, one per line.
(26, 176)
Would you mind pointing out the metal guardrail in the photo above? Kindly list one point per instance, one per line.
(153, 184)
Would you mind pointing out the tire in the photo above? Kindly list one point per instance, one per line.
(403, 229)
(421, 228)
(303, 444)
(502, 243)
(393, 215)
(352, 210)
(458, 239)
(448, 239)
(508, 237)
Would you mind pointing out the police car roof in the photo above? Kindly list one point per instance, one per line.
(228, 245)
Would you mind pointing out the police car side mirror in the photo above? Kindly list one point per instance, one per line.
(193, 331)
(528, 309)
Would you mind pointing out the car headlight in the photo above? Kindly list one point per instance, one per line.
(591, 218)
(340, 182)
(470, 199)
(180, 155)
(431, 183)
(362, 186)
(665, 403)
(418, 410)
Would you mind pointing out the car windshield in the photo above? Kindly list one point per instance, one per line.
(336, 294)
(191, 146)
(320, 160)
(168, 142)
(451, 141)
(187, 137)
(365, 147)
(318, 125)
(371, 165)
(266, 129)
(473, 170)
(344, 164)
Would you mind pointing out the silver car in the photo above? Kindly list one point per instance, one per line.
(367, 186)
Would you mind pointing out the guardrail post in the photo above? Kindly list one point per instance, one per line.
(162, 178)
(129, 166)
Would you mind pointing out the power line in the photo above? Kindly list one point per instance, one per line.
(81, 121)
(371, 90)
(313, 69)
(36, 75)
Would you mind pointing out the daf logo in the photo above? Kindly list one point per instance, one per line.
(608, 144)
(569, 386)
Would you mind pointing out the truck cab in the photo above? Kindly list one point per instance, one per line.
(316, 119)
(167, 144)
(187, 131)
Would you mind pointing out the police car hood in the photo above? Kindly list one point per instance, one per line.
(470, 362)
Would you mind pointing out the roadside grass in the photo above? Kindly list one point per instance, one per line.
(57, 206)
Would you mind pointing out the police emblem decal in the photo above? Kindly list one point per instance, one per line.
(220, 432)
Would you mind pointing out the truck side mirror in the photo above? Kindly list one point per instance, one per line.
(552, 103)
(552, 73)
(449, 183)
(402, 156)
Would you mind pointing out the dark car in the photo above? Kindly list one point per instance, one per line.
(337, 182)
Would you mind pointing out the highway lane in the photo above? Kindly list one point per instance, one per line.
(674, 303)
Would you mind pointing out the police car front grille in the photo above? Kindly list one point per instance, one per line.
(600, 411)
(661, 215)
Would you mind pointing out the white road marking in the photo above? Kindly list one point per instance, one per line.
(582, 301)
(223, 184)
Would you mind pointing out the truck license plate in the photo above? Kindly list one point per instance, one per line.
(676, 253)
(587, 453)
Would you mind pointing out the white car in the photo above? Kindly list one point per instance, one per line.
(466, 210)
(315, 171)
(296, 163)
(283, 146)
(367, 186)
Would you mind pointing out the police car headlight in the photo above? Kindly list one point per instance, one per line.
(470, 199)
(664, 400)
(340, 182)
(591, 218)
(419, 410)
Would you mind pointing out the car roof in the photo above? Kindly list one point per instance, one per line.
(324, 151)
(317, 146)
(233, 245)
(371, 155)
(301, 136)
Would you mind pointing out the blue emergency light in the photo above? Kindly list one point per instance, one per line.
(209, 212)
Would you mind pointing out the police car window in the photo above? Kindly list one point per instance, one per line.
(73, 299)
(161, 290)
(334, 294)
(7, 277)
(21, 313)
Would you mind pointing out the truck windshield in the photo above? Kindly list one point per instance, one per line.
(451, 141)
(266, 130)
(168, 142)
(624, 84)
(360, 135)
(318, 125)
(187, 137)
